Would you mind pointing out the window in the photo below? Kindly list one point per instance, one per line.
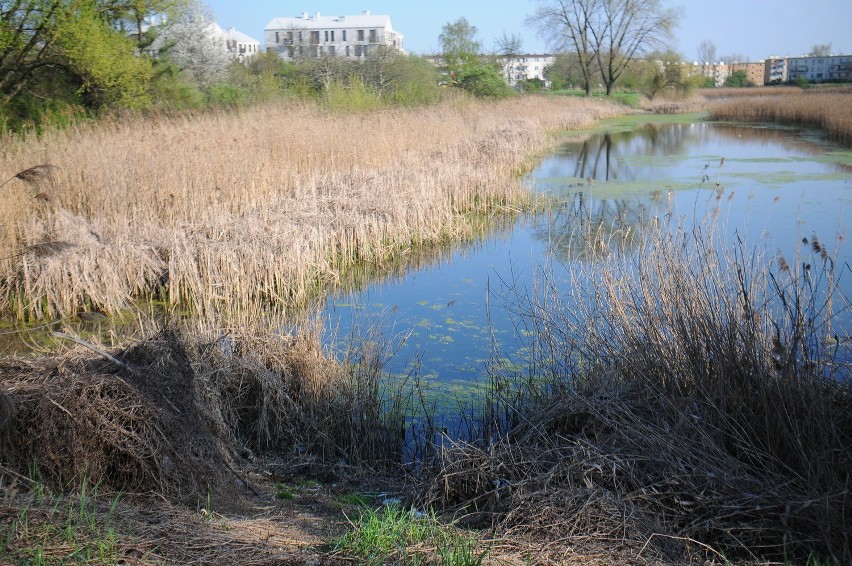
(332, 35)
(300, 37)
(347, 49)
(360, 35)
(315, 38)
(290, 37)
(344, 37)
(332, 50)
(326, 35)
(276, 38)
(357, 50)
(373, 36)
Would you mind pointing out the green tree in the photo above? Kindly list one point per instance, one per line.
(56, 53)
(459, 47)
(663, 72)
(738, 79)
(565, 72)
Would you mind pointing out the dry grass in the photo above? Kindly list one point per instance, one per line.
(829, 110)
(261, 205)
(176, 416)
(689, 400)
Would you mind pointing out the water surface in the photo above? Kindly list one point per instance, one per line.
(769, 187)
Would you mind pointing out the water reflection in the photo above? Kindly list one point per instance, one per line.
(767, 188)
(581, 228)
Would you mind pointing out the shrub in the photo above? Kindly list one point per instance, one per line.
(485, 82)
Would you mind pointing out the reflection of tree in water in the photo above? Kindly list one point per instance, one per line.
(601, 156)
(580, 228)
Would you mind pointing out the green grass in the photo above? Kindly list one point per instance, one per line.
(631, 99)
(52, 529)
(403, 536)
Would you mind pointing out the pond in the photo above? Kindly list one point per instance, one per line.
(767, 186)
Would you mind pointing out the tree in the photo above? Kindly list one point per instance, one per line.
(485, 81)
(664, 72)
(509, 45)
(459, 47)
(190, 40)
(507, 48)
(606, 34)
(627, 29)
(821, 50)
(56, 53)
(738, 79)
(707, 52)
(564, 72)
(380, 69)
(733, 58)
(566, 25)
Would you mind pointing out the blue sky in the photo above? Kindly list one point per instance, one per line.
(753, 28)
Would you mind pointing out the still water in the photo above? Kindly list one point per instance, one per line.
(768, 187)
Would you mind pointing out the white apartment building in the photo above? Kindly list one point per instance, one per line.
(344, 36)
(239, 45)
(519, 68)
(820, 69)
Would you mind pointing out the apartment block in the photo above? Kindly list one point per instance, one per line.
(775, 70)
(315, 35)
(755, 72)
(520, 68)
(820, 69)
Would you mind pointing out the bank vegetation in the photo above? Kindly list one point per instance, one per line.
(825, 109)
(230, 211)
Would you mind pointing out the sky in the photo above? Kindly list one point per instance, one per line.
(754, 29)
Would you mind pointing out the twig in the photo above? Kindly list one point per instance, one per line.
(96, 350)
(685, 539)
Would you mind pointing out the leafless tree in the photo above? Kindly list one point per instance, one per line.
(605, 34)
(707, 52)
(733, 58)
(821, 50)
(627, 29)
(567, 25)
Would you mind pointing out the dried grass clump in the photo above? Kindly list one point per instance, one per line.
(691, 402)
(178, 416)
(81, 418)
(279, 394)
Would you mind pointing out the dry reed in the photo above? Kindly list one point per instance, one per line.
(260, 205)
(829, 110)
(685, 397)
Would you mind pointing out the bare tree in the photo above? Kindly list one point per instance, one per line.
(733, 58)
(821, 50)
(509, 45)
(626, 29)
(507, 49)
(607, 34)
(567, 25)
(707, 52)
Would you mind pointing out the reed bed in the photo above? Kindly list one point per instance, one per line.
(222, 211)
(829, 110)
(690, 401)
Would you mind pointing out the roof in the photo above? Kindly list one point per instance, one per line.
(233, 35)
(317, 21)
